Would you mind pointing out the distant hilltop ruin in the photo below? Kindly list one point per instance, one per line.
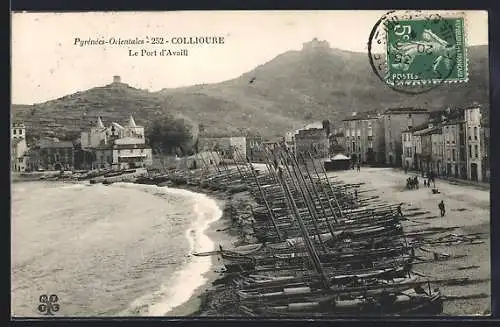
(315, 44)
(117, 80)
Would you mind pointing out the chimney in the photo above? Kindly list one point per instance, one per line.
(117, 79)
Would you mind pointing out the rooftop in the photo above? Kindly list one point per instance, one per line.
(429, 130)
(417, 128)
(454, 121)
(362, 116)
(405, 110)
(56, 145)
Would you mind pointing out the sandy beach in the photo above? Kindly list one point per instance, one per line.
(467, 209)
(219, 233)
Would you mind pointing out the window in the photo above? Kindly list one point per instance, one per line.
(20, 132)
(476, 151)
(15, 131)
(470, 134)
(475, 133)
(470, 151)
(453, 154)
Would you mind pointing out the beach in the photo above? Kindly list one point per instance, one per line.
(105, 267)
(223, 219)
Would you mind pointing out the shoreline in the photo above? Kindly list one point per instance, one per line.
(225, 232)
(220, 232)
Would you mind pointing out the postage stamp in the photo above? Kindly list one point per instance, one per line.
(416, 51)
(426, 50)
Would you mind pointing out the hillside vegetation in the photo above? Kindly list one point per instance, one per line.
(295, 88)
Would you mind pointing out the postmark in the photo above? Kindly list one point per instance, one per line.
(416, 51)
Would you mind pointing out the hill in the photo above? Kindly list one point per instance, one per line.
(295, 88)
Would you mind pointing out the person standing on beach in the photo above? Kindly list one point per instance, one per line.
(400, 211)
(442, 208)
(359, 166)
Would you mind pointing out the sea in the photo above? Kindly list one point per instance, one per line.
(107, 250)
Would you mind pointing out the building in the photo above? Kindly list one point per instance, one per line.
(473, 141)
(312, 141)
(485, 142)
(395, 121)
(232, 147)
(49, 153)
(437, 151)
(117, 146)
(462, 144)
(409, 149)
(428, 160)
(255, 149)
(290, 142)
(363, 137)
(18, 147)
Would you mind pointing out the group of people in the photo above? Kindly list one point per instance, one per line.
(430, 178)
(412, 183)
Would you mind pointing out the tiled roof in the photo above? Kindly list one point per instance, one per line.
(362, 116)
(57, 145)
(433, 130)
(417, 128)
(131, 146)
(454, 122)
(405, 110)
(429, 130)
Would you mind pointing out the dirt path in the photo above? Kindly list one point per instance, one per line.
(467, 209)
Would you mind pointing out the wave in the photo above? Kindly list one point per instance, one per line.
(181, 285)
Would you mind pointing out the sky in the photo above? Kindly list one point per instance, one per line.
(46, 63)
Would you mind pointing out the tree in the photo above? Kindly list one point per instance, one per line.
(169, 135)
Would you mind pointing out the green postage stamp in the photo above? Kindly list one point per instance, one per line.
(426, 51)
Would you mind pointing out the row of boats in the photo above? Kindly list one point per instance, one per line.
(323, 247)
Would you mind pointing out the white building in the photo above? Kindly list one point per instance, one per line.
(117, 146)
(18, 147)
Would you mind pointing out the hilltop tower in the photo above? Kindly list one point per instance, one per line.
(117, 79)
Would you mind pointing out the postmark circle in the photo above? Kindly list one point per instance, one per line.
(414, 52)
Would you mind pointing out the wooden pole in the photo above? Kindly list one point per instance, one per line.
(309, 246)
(302, 192)
(271, 213)
(331, 187)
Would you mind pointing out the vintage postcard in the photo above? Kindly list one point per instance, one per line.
(250, 164)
